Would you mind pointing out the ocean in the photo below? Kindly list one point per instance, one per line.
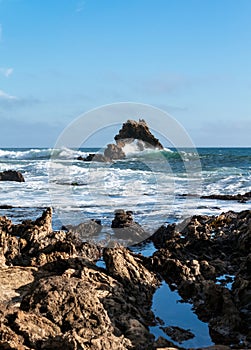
(158, 186)
(150, 183)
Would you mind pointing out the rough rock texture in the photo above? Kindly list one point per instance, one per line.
(66, 301)
(125, 228)
(178, 334)
(133, 130)
(194, 258)
(53, 296)
(33, 243)
(11, 175)
(14, 282)
(85, 229)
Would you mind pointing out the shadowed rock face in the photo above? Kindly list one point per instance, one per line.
(133, 130)
(130, 131)
(201, 259)
(55, 297)
(11, 175)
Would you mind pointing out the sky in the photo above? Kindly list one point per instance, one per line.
(61, 58)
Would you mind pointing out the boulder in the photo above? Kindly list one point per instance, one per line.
(133, 130)
(126, 229)
(85, 229)
(11, 175)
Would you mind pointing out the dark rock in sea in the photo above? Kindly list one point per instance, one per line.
(125, 228)
(130, 131)
(242, 198)
(178, 334)
(133, 130)
(11, 175)
(85, 229)
(6, 206)
(94, 157)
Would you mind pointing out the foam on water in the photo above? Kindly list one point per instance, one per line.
(38, 153)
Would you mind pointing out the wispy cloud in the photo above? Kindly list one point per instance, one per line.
(6, 97)
(8, 101)
(6, 71)
(80, 6)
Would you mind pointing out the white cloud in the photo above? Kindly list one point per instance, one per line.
(6, 97)
(6, 71)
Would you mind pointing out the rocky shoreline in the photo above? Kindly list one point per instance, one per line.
(54, 296)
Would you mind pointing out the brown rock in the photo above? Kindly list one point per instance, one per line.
(134, 130)
(11, 175)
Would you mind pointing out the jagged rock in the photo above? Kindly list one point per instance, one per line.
(131, 131)
(92, 308)
(11, 175)
(207, 247)
(178, 334)
(14, 281)
(125, 228)
(85, 229)
(134, 130)
(34, 243)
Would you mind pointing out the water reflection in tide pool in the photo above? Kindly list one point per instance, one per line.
(167, 307)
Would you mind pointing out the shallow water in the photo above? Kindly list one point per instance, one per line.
(167, 306)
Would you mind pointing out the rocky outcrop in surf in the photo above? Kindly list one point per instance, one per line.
(131, 131)
(228, 197)
(11, 175)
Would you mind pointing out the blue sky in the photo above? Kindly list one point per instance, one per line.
(61, 58)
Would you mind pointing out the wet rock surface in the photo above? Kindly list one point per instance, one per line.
(126, 228)
(53, 296)
(11, 175)
(193, 259)
(228, 197)
(178, 334)
(131, 131)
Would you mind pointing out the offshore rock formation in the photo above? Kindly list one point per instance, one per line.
(130, 131)
(11, 175)
(133, 130)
